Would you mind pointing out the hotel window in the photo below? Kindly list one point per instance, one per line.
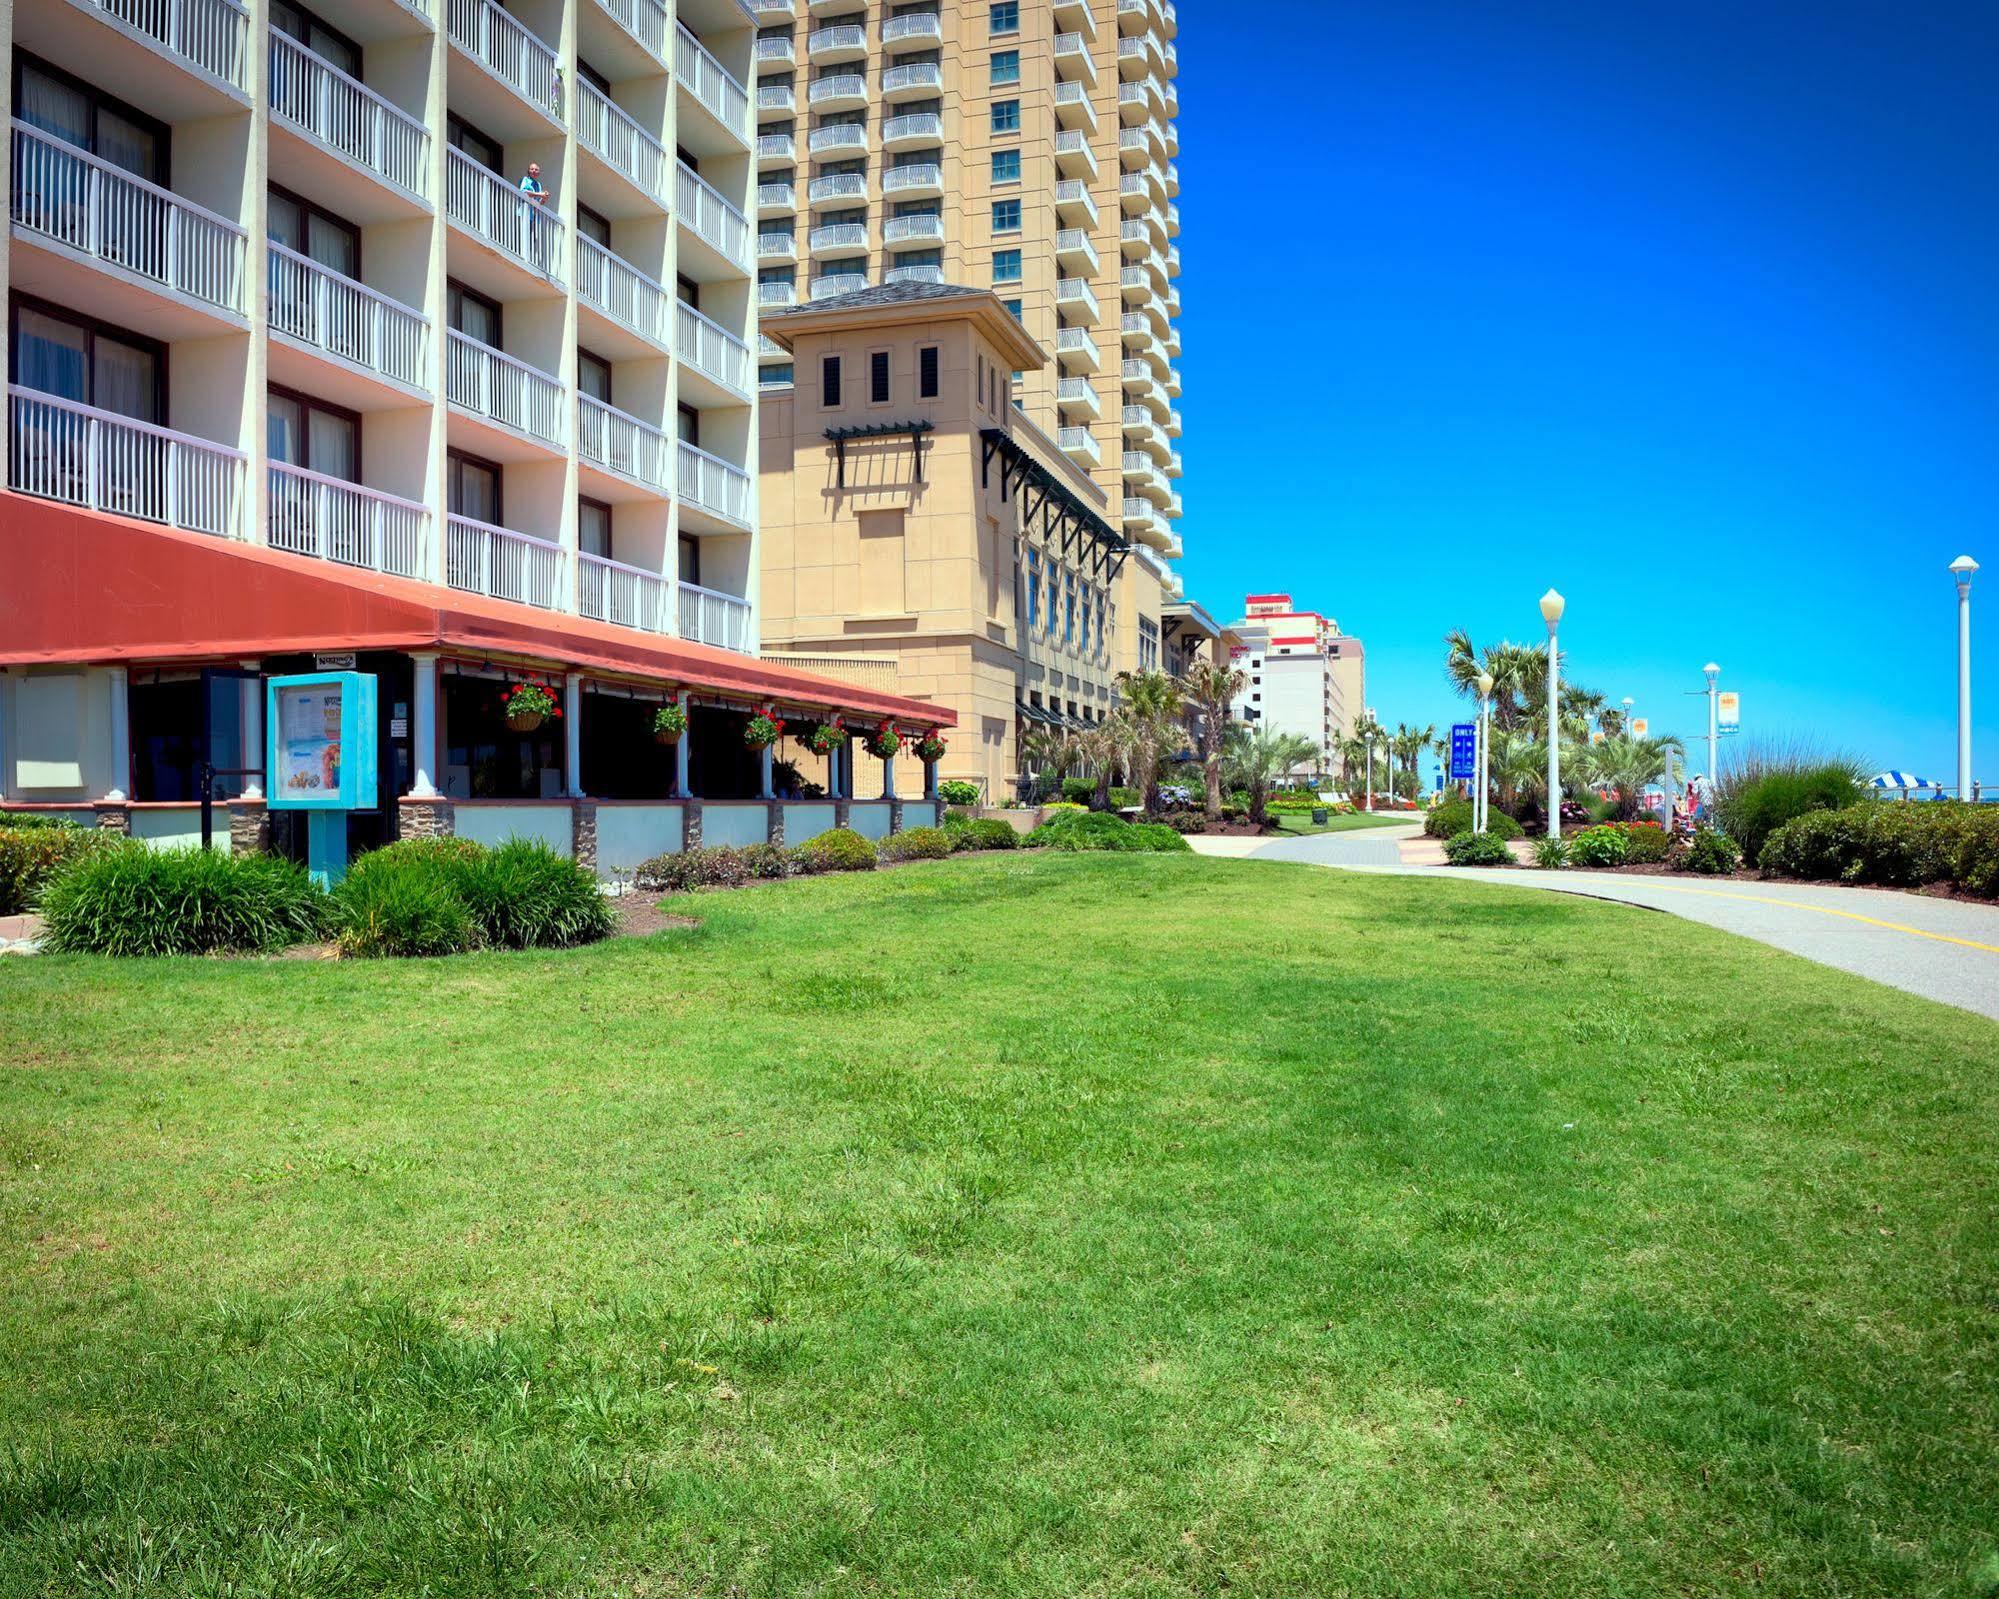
(472, 487)
(593, 376)
(1004, 68)
(829, 382)
(1100, 621)
(1006, 266)
(1006, 216)
(776, 376)
(1033, 590)
(329, 44)
(1006, 166)
(72, 357)
(1005, 16)
(690, 560)
(594, 225)
(1013, 309)
(1068, 610)
(1083, 637)
(314, 232)
(1148, 644)
(878, 377)
(1006, 116)
(71, 110)
(312, 435)
(471, 141)
(926, 372)
(688, 424)
(473, 314)
(593, 528)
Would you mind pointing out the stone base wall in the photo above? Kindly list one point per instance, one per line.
(895, 816)
(426, 818)
(690, 827)
(114, 818)
(840, 813)
(583, 833)
(249, 827)
(777, 823)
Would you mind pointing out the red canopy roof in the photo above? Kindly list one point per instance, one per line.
(84, 587)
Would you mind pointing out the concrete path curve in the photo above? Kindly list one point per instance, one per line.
(1946, 950)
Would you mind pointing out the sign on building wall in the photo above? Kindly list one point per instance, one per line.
(1464, 750)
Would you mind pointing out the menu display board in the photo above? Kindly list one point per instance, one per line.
(321, 737)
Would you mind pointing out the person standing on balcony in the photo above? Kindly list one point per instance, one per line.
(536, 198)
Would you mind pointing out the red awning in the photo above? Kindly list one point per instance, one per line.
(88, 588)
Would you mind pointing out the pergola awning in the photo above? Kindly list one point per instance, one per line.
(1045, 496)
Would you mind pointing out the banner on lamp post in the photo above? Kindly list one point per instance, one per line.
(1728, 712)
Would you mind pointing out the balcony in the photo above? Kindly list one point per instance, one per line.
(913, 80)
(708, 616)
(771, 11)
(1132, 149)
(837, 186)
(1134, 198)
(59, 450)
(776, 199)
(777, 295)
(1137, 56)
(209, 37)
(1073, 110)
(776, 49)
(507, 50)
(1076, 296)
(912, 128)
(493, 211)
(1073, 203)
(912, 232)
(329, 519)
(488, 383)
(1076, 350)
(712, 485)
(843, 91)
(1079, 444)
(914, 181)
(846, 42)
(1073, 155)
(349, 321)
(1172, 424)
(1075, 252)
(346, 117)
(1134, 286)
(912, 31)
(65, 197)
(1134, 238)
(776, 99)
(645, 20)
(1173, 382)
(1072, 55)
(1074, 14)
(1137, 331)
(621, 444)
(480, 558)
(610, 133)
(629, 596)
(839, 138)
(838, 283)
(712, 86)
(1172, 222)
(776, 247)
(610, 285)
(921, 272)
(838, 238)
(711, 350)
(1174, 466)
(1078, 394)
(776, 149)
(715, 222)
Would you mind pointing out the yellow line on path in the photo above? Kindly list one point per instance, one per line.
(1826, 910)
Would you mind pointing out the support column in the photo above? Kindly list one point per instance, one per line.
(423, 726)
(930, 780)
(250, 704)
(680, 788)
(572, 734)
(121, 738)
(766, 758)
(888, 777)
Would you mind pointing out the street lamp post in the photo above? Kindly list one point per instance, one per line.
(1551, 613)
(1961, 569)
(1712, 673)
(1484, 761)
(1627, 717)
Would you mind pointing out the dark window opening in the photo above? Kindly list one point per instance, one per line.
(878, 377)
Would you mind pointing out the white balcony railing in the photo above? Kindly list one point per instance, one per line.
(838, 283)
(345, 115)
(71, 197)
(776, 47)
(713, 218)
(779, 97)
(711, 83)
(921, 272)
(837, 186)
(609, 131)
(497, 212)
(849, 38)
(916, 125)
(645, 20)
(211, 35)
(630, 596)
(1076, 291)
(923, 226)
(717, 486)
(777, 294)
(318, 306)
(1078, 441)
(330, 519)
(921, 25)
(912, 76)
(840, 86)
(712, 349)
(839, 236)
(776, 147)
(709, 617)
(61, 450)
(497, 386)
(916, 175)
(838, 136)
(619, 442)
(620, 290)
(508, 50)
(480, 558)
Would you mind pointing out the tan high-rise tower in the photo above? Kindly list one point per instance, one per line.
(1012, 144)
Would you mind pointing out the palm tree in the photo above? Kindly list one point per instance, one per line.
(1152, 702)
(1257, 755)
(1625, 764)
(1209, 688)
(1097, 747)
(1508, 663)
(1518, 767)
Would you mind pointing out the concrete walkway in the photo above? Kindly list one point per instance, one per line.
(1946, 950)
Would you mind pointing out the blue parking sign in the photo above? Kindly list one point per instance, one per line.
(1464, 750)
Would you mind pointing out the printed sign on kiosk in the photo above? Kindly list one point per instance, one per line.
(320, 757)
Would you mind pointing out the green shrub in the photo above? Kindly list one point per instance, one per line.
(1602, 845)
(131, 900)
(955, 791)
(1891, 845)
(1477, 849)
(984, 833)
(1123, 798)
(766, 863)
(39, 821)
(915, 844)
(1765, 788)
(1550, 852)
(1161, 839)
(838, 849)
(1102, 831)
(34, 848)
(526, 896)
(1079, 790)
(1061, 808)
(716, 866)
(1645, 843)
(407, 899)
(1454, 817)
(1711, 852)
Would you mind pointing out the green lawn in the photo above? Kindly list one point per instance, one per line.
(1006, 1226)
(1293, 822)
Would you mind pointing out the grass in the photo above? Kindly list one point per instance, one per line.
(1004, 1226)
(1301, 822)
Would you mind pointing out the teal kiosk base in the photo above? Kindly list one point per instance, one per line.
(326, 846)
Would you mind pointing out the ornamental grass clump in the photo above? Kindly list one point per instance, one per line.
(1094, 831)
(406, 900)
(525, 896)
(128, 899)
(34, 848)
(915, 844)
(838, 849)
(1768, 786)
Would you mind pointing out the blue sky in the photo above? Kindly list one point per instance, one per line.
(1690, 311)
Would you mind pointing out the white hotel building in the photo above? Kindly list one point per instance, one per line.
(314, 376)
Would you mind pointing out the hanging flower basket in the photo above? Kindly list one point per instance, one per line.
(669, 722)
(930, 747)
(826, 737)
(527, 705)
(763, 730)
(884, 741)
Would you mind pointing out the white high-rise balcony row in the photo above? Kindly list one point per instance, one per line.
(450, 290)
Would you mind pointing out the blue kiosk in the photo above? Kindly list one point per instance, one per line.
(320, 758)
